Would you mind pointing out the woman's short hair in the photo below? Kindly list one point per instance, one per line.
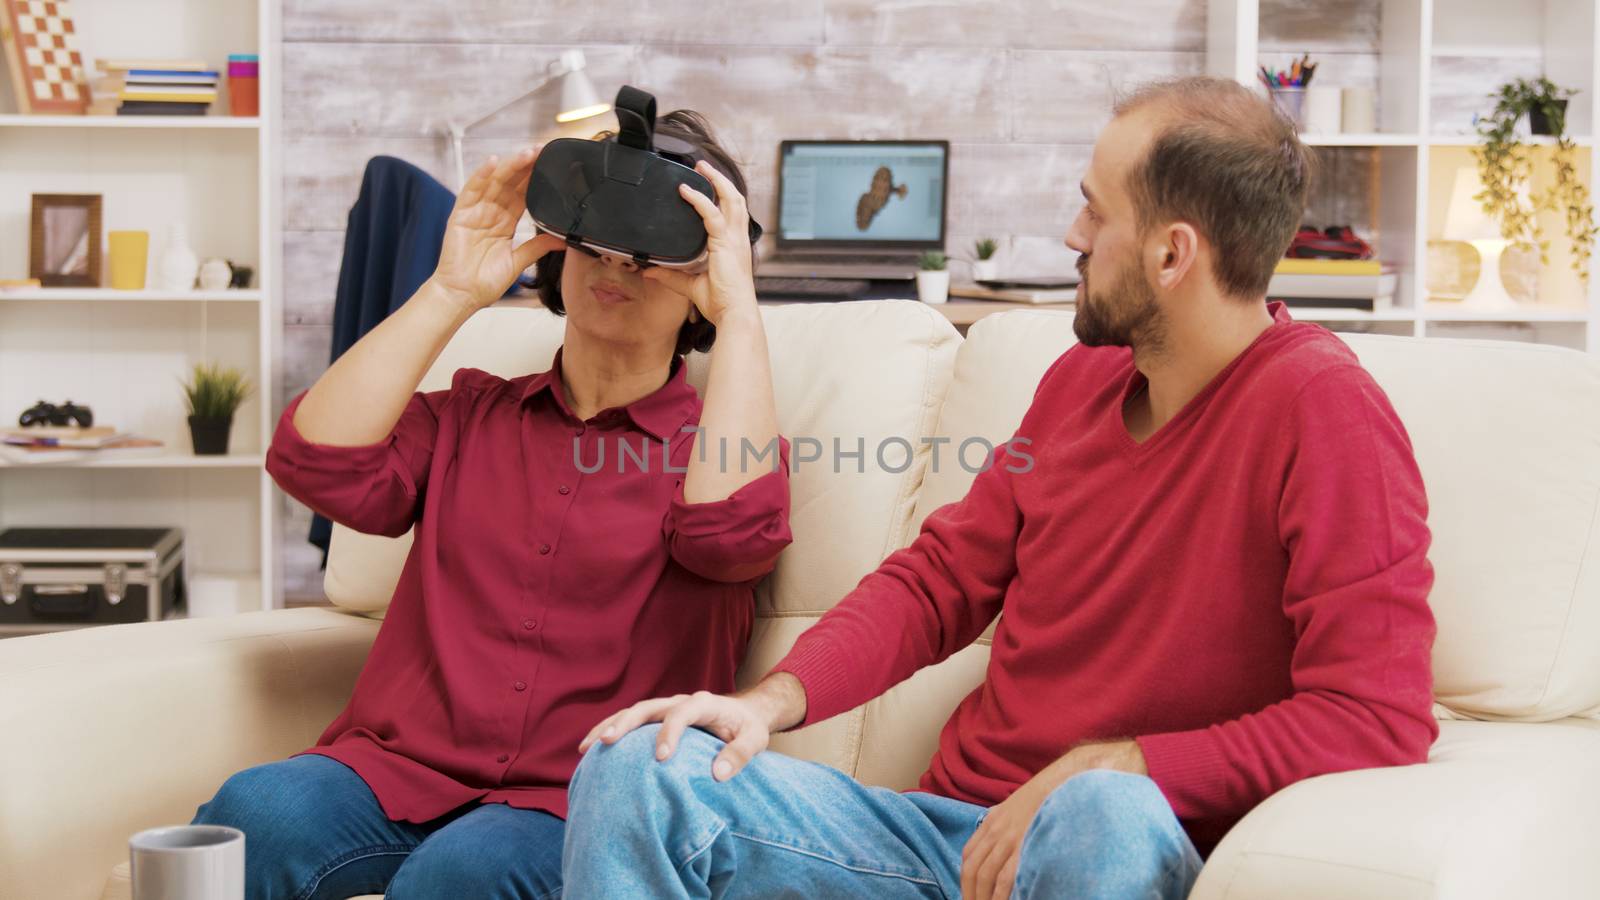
(688, 126)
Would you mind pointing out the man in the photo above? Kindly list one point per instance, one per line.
(1214, 581)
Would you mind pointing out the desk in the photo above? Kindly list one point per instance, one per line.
(961, 313)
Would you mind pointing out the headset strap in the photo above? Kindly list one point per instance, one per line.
(636, 114)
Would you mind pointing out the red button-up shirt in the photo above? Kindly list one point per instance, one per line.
(541, 594)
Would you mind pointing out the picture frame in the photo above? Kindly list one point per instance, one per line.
(41, 49)
(64, 250)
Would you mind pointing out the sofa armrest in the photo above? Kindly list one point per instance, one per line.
(1499, 810)
(106, 731)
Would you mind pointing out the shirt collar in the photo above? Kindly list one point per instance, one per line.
(661, 412)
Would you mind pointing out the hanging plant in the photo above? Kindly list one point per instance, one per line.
(1505, 166)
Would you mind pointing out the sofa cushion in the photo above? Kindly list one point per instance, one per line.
(1501, 809)
(1508, 439)
(996, 371)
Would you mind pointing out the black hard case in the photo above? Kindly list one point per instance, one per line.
(57, 578)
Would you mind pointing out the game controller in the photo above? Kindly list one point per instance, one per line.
(43, 413)
(40, 413)
(73, 414)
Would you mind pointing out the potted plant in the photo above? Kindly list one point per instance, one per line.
(933, 278)
(1505, 166)
(214, 394)
(984, 266)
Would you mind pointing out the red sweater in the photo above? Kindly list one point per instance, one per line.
(1245, 593)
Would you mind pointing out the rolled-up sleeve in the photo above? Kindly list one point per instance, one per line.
(374, 488)
(737, 538)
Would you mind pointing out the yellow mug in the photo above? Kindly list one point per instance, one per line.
(130, 252)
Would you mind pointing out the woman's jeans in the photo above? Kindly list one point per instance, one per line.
(787, 828)
(314, 831)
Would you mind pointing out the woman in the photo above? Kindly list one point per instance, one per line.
(542, 592)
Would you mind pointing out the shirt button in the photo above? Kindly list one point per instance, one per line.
(564, 490)
(578, 430)
(528, 624)
(521, 685)
(544, 549)
(502, 758)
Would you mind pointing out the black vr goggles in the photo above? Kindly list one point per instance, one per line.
(620, 197)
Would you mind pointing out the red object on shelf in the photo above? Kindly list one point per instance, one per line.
(244, 98)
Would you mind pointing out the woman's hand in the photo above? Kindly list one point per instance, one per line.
(727, 286)
(477, 260)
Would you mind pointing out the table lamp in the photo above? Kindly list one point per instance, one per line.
(578, 101)
(1466, 221)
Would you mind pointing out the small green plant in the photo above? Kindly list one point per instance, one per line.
(932, 261)
(214, 392)
(985, 247)
(1505, 166)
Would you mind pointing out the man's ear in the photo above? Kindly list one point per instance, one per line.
(1175, 255)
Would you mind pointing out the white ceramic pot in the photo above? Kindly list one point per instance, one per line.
(933, 287)
(215, 275)
(179, 265)
(985, 269)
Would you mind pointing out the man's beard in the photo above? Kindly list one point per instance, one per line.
(1124, 315)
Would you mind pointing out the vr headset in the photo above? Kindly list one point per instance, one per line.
(620, 197)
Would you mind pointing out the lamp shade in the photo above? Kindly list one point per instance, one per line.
(578, 97)
(1465, 220)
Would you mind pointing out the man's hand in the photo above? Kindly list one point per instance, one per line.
(744, 722)
(989, 861)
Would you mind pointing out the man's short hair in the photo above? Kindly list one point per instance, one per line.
(1227, 162)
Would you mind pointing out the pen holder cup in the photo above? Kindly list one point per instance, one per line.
(1291, 102)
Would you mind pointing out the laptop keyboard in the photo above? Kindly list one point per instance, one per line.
(847, 259)
(811, 287)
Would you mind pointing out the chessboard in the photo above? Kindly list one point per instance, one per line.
(46, 66)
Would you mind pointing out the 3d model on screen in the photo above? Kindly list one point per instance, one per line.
(877, 197)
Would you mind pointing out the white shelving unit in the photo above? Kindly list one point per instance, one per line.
(1413, 158)
(123, 353)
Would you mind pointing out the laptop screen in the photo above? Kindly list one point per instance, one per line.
(862, 193)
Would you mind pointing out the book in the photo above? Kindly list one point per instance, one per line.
(122, 446)
(210, 75)
(1329, 267)
(58, 432)
(1349, 291)
(137, 108)
(163, 65)
(167, 95)
(974, 291)
(150, 76)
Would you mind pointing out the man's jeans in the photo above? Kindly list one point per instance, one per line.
(787, 828)
(314, 831)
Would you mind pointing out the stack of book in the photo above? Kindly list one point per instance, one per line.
(1339, 283)
(158, 87)
(55, 444)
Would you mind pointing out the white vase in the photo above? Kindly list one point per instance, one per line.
(985, 269)
(933, 287)
(179, 265)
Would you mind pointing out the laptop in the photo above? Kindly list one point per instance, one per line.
(858, 209)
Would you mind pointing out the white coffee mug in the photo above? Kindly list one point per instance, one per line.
(1359, 110)
(1322, 110)
(188, 862)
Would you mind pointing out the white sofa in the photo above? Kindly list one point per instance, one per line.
(107, 731)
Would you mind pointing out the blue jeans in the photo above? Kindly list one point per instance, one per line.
(314, 831)
(788, 828)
